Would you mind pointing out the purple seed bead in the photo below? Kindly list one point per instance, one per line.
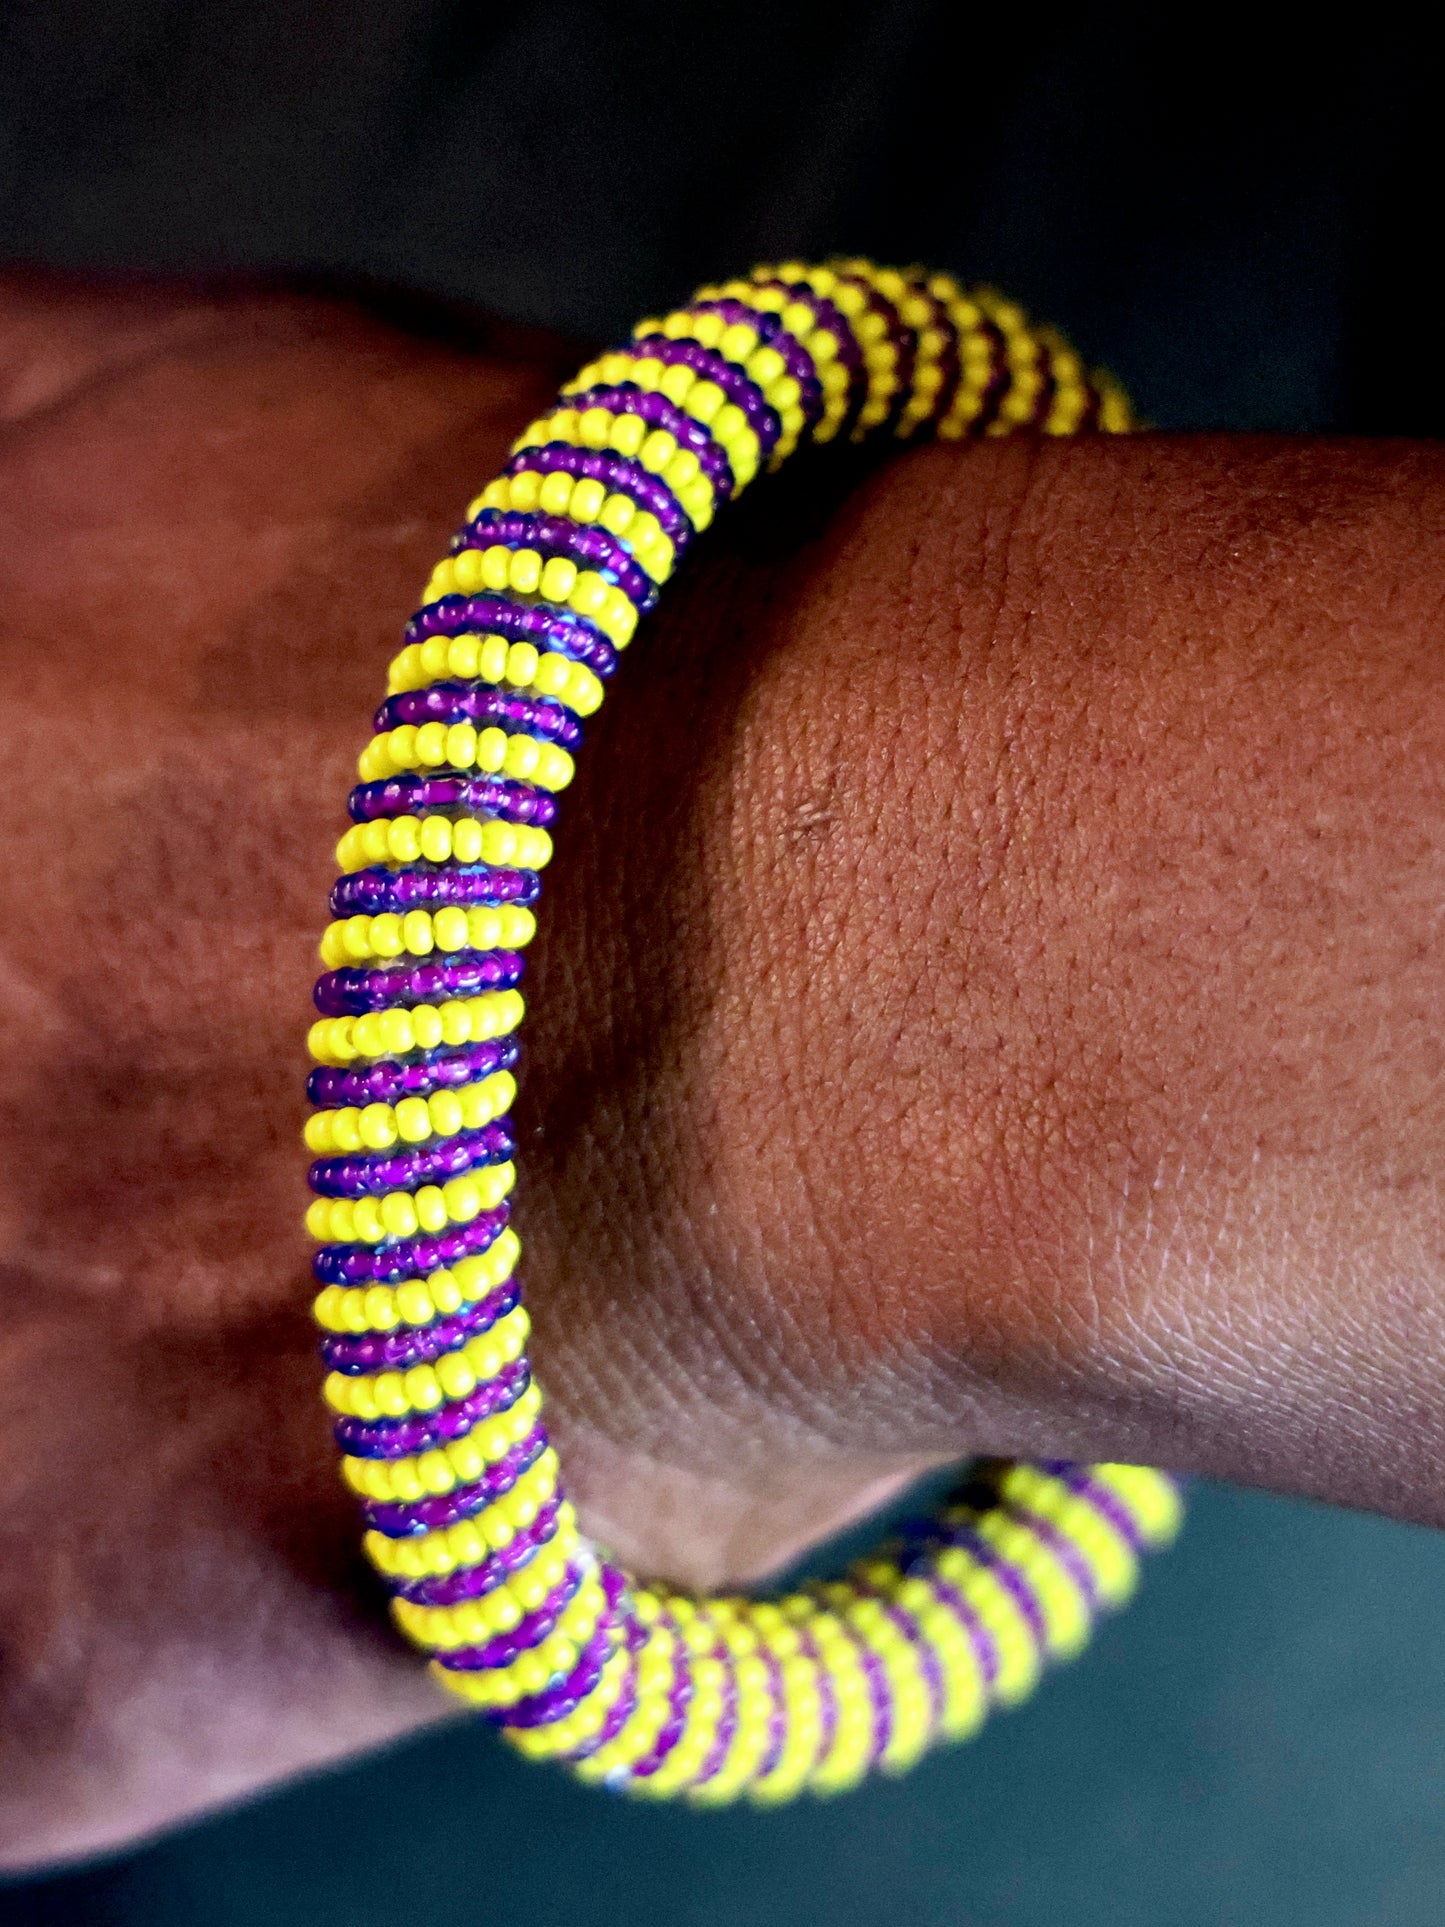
(881, 1698)
(619, 474)
(529, 1631)
(354, 990)
(1077, 1478)
(400, 1438)
(620, 1712)
(827, 1700)
(556, 535)
(658, 412)
(671, 1730)
(560, 629)
(770, 329)
(341, 1264)
(727, 1727)
(330, 1087)
(484, 705)
(778, 1720)
(419, 1344)
(472, 1582)
(739, 387)
(506, 797)
(1063, 1549)
(985, 1647)
(372, 891)
(405, 1519)
(927, 1662)
(1012, 1579)
(562, 1698)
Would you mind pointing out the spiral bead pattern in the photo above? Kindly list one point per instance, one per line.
(436, 1413)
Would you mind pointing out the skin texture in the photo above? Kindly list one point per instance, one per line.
(987, 999)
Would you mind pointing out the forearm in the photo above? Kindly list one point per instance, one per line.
(985, 1001)
(1045, 974)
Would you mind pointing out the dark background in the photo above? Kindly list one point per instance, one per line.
(1242, 218)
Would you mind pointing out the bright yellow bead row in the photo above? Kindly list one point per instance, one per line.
(403, 1214)
(697, 396)
(915, 310)
(460, 1461)
(819, 343)
(392, 1033)
(425, 1388)
(869, 330)
(455, 1548)
(530, 1672)
(358, 1309)
(439, 839)
(586, 501)
(656, 449)
(560, 1737)
(740, 343)
(556, 580)
(656, 1673)
(492, 659)
(417, 933)
(376, 1127)
(493, 750)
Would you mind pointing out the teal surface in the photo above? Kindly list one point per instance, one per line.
(1259, 1739)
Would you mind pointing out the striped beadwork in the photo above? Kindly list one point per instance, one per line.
(437, 1416)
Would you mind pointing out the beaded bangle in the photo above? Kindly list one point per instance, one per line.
(435, 1409)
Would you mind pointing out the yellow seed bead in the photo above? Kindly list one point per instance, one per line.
(460, 745)
(464, 1199)
(421, 1389)
(376, 1127)
(431, 1209)
(396, 1031)
(454, 1374)
(554, 496)
(521, 664)
(435, 839)
(431, 745)
(461, 656)
(416, 932)
(449, 927)
(466, 843)
(427, 1026)
(445, 1110)
(553, 673)
(587, 500)
(466, 570)
(491, 749)
(589, 594)
(484, 927)
(379, 1306)
(385, 935)
(496, 567)
(413, 1119)
(627, 434)
(398, 1215)
(366, 1221)
(414, 1302)
(558, 578)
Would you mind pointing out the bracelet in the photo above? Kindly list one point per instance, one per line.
(436, 1413)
